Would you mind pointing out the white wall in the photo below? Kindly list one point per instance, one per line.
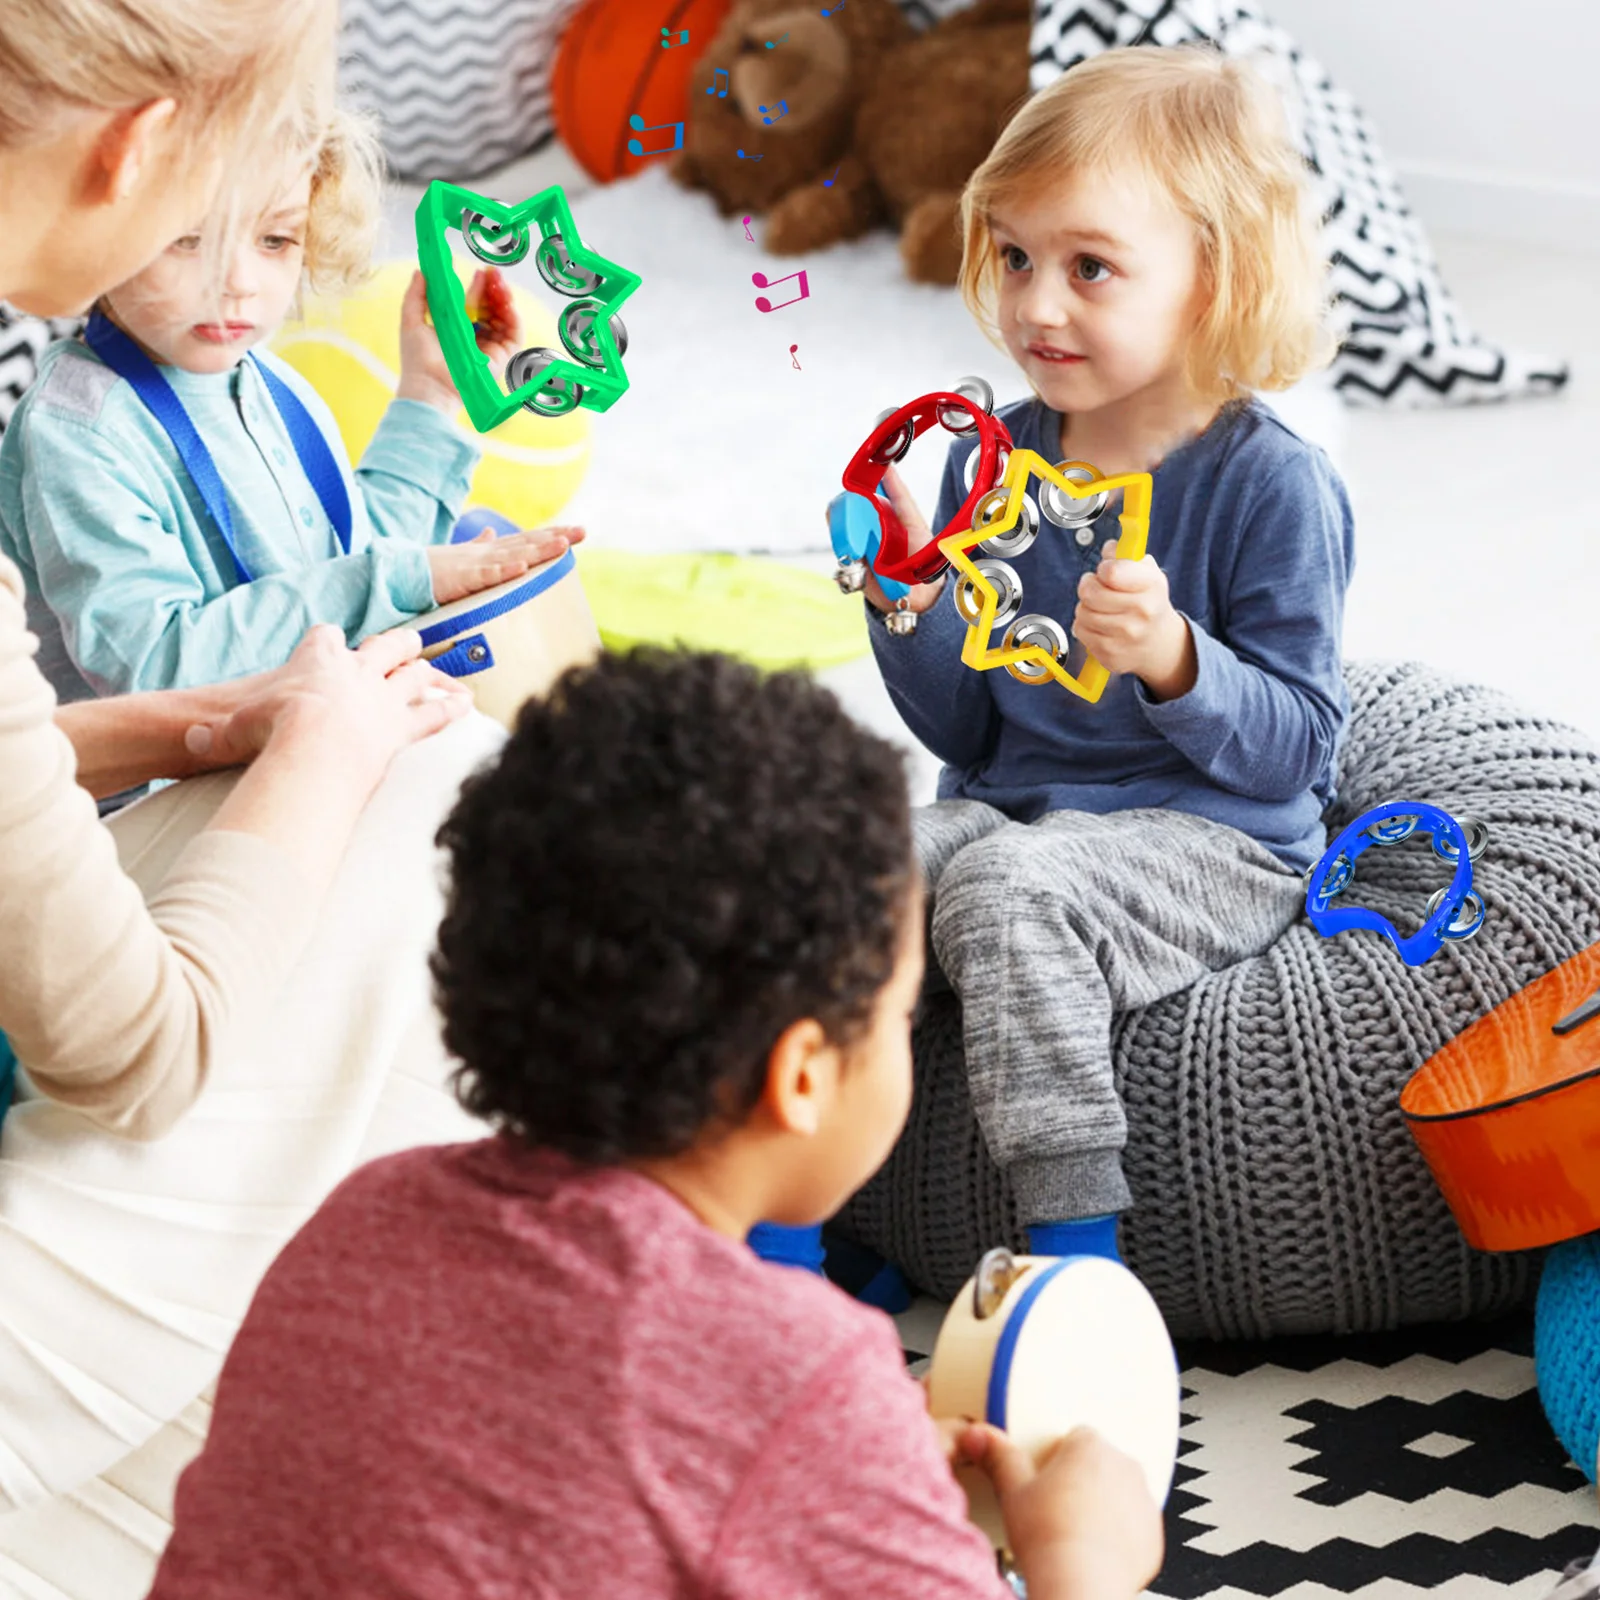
(1490, 109)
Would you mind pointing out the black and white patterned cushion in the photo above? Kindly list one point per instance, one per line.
(22, 342)
(460, 86)
(1404, 339)
(924, 13)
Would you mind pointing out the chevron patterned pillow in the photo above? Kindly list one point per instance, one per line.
(22, 342)
(1405, 342)
(924, 13)
(460, 86)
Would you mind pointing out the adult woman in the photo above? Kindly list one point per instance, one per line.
(279, 963)
(87, 196)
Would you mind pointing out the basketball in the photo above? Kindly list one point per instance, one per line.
(611, 66)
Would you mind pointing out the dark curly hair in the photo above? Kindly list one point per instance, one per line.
(674, 859)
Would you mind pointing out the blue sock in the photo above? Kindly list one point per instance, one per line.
(1083, 1236)
(788, 1247)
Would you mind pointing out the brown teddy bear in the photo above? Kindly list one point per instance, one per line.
(852, 119)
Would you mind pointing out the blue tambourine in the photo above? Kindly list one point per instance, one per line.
(854, 530)
(1454, 912)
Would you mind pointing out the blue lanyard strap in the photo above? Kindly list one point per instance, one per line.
(127, 360)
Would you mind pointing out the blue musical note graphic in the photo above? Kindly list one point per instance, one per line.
(744, 157)
(783, 111)
(827, 13)
(722, 93)
(636, 146)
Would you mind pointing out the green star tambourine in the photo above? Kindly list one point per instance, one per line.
(546, 382)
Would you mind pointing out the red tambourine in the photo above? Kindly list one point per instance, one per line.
(967, 409)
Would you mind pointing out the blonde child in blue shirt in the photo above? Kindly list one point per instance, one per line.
(142, 574)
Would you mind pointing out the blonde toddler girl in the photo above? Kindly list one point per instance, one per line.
(179, 502)
(1140, 244)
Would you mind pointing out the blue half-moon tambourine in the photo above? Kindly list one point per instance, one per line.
(1454, 912)
(854, 530)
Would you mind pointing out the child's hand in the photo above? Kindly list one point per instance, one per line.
(918, 534)
(1081, 1523)
(1126, 621)
(424, 372)
(462, 569)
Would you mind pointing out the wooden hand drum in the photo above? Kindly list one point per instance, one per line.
(512, 642)
(1040, 1345)
(1508, 1114)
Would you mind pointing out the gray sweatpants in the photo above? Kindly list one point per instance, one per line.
(1046, 930)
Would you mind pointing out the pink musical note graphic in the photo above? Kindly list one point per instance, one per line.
(744, 157)
(794, 358)
(760, 280)
(722, 93)
(783, 111)
(747, 233)
(683, 38)
(827, 183)
(636, 146)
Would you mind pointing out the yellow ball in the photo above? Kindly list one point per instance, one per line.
(348, 350)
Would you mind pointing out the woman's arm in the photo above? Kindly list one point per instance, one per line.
(132, 738)
(119, 1008)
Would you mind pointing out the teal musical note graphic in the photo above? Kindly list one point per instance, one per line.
(636, 146)
(772, 44)
(666, 34)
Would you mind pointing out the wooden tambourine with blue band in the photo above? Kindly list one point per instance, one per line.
(510, 643)
(1454, 912)
(1040, 1345)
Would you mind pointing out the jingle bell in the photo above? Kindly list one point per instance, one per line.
(851, 576)
(902, 624)
(558, 396)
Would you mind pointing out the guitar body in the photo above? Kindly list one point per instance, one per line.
(1508, 1115)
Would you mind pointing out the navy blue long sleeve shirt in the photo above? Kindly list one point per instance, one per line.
(1252, 527)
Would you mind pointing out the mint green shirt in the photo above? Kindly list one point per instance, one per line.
(129, 581)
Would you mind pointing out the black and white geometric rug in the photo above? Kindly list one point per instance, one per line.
(1386, 1467)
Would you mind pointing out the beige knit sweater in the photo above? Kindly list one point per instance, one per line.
(114, 1006)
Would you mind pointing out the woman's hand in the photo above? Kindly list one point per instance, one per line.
(1126, 621)
(367, 703)
(424, 372)
(1081, 1523)
(918, 535)
(462, 569)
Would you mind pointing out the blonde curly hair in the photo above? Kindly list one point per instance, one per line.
(1212, 132)
(346, 204)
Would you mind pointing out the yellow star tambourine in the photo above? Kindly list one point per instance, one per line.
(1035, 646)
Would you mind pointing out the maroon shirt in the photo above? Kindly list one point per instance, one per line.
(481, 1371)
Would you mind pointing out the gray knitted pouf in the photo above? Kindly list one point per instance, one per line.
(1276, 1189)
